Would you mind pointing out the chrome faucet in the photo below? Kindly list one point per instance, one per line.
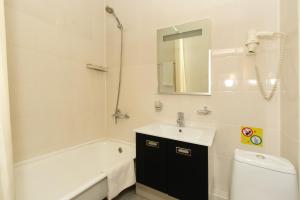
(180, 119)
(119, 115)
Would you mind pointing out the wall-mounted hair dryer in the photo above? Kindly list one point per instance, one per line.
(254, 37)
(251, 46)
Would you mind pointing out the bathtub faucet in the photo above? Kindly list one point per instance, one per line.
(119, 115)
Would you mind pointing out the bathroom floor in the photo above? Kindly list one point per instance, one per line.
(129, 195)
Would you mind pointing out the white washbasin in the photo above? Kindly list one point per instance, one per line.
(200, 136)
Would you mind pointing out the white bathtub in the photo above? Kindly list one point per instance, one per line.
(73, 173)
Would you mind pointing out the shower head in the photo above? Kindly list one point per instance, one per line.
(110, 10)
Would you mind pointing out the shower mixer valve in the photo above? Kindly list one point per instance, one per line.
(119, 115)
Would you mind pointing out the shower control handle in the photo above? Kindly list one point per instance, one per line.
(119, 115)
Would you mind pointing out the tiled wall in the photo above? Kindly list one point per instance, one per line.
(241, 104)
(55, 101)
(289, 86)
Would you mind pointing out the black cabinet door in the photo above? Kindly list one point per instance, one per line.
(151, 161)
(187, 171)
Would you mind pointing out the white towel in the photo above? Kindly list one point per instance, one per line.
(167, 74)
(120, 177)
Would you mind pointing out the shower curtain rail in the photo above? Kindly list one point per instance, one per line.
(96, 67)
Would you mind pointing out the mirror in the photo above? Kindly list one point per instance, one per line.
(184, 59)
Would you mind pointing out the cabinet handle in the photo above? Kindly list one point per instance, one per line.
(151, 143)
(183, 151)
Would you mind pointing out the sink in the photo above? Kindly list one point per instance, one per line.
(200, 136)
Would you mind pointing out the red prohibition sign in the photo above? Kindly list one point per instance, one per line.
(248, 132)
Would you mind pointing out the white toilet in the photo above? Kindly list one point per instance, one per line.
(258, 176)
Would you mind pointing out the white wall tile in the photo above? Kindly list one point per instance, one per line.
(289, 83)
(56, 101)
(231, 107)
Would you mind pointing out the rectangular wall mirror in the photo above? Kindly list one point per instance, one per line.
(184, 59)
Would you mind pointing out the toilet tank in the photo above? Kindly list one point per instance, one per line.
(258, 176)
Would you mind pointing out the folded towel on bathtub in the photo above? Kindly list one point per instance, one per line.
(120, 177)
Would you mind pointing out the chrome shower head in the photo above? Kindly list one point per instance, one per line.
(110, 10)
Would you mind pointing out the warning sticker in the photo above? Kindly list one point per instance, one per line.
(252, 136)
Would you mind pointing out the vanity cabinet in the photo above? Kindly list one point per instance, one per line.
(151, 161)
(187, 171)
(176, 168)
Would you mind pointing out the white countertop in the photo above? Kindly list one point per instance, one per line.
(200, 136)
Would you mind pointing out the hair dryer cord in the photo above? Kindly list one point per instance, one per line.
(263, 91)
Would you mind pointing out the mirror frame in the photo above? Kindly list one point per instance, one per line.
(209, 93)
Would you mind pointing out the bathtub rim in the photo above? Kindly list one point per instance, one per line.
(71, 148)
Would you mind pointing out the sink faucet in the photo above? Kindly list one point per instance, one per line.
(180, 119)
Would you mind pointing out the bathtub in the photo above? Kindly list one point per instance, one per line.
(76, 173)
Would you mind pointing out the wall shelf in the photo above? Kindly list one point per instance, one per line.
(96, 67)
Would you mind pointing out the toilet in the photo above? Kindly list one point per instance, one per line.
(258, 176)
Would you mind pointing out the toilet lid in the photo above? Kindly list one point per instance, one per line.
(264, 161)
